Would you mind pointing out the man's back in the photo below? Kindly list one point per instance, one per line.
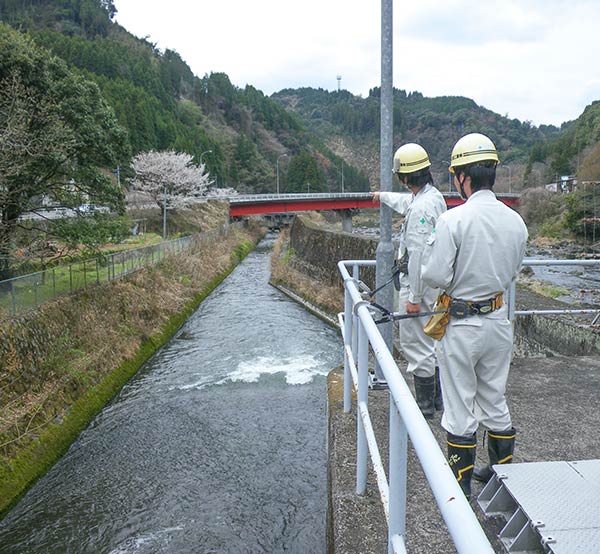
(480, 247)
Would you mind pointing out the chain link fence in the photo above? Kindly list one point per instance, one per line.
(26, 292)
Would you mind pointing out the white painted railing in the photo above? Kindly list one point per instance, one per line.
(361, 336)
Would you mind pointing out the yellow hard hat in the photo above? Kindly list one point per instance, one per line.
(472, 148)
(410, 158)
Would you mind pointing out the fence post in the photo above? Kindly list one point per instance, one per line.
(84, 276)
(363, 397)
(97, 272)
(12, 296)
(35, 295)
(53, 283)
(398, 449)
(70, 277)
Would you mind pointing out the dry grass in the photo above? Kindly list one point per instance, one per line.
(50, 357)
(328, 298)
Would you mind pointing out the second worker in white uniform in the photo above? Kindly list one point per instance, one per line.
(421, 208)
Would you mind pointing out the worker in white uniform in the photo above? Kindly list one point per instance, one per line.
(473, 254)
(421, 209)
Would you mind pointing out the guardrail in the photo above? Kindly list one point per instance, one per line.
(27, 292)
(360, 332)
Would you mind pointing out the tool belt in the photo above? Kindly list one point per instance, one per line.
(436, 326)
(464, 308)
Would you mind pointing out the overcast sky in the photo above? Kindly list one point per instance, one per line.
(535, 60)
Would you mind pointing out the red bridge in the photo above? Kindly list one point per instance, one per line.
(283, 203)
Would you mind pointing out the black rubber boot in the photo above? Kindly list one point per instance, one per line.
(424, 392)
(461, 459)
(438, 403)
(501, 445)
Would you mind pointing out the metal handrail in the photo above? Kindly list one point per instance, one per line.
(360, 333)
(532, 262)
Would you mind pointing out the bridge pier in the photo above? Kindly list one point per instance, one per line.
(346, 217)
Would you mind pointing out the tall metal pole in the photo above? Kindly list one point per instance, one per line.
(277, 164)
(449, 175)
(342, 176)
(385, 248)
(165, 213)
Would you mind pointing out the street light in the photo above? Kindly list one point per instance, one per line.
(449, 175)
(277, 164)
(205, 152)
(509, 177)
(165, 213)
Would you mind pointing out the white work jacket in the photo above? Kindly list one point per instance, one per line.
(476, 249)
(421, 212)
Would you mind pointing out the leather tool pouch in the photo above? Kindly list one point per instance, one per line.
(436, 326)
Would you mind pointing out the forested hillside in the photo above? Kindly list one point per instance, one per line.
(315, 134)
(163, 106)
(352, 123)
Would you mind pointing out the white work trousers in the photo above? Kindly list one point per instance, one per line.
(474, 358)
(417, 348)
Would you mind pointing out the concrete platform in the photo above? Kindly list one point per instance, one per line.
(554, 406)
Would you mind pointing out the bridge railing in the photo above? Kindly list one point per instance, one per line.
(244, 198)
(361, 336)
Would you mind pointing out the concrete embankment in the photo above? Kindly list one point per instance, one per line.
(553, 385)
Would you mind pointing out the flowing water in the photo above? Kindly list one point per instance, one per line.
(218, 444)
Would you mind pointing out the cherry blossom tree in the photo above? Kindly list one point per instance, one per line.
(170, 178)
(222, 193)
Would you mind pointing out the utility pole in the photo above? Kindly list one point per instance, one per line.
(339, 79)
(385, 248)
(342, 176)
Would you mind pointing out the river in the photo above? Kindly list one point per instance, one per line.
(217, 445)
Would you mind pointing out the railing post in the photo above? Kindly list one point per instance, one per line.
(511, 299)
(398, 448)
(347, 342)
(355, 276)
(12, 296)
(363, 397)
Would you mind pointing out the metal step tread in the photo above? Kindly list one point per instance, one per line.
(550, 507)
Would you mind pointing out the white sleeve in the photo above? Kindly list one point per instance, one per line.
(398, 201)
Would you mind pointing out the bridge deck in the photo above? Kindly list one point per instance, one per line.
(285, 203)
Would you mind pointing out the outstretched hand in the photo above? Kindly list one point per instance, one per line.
(375, 196)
